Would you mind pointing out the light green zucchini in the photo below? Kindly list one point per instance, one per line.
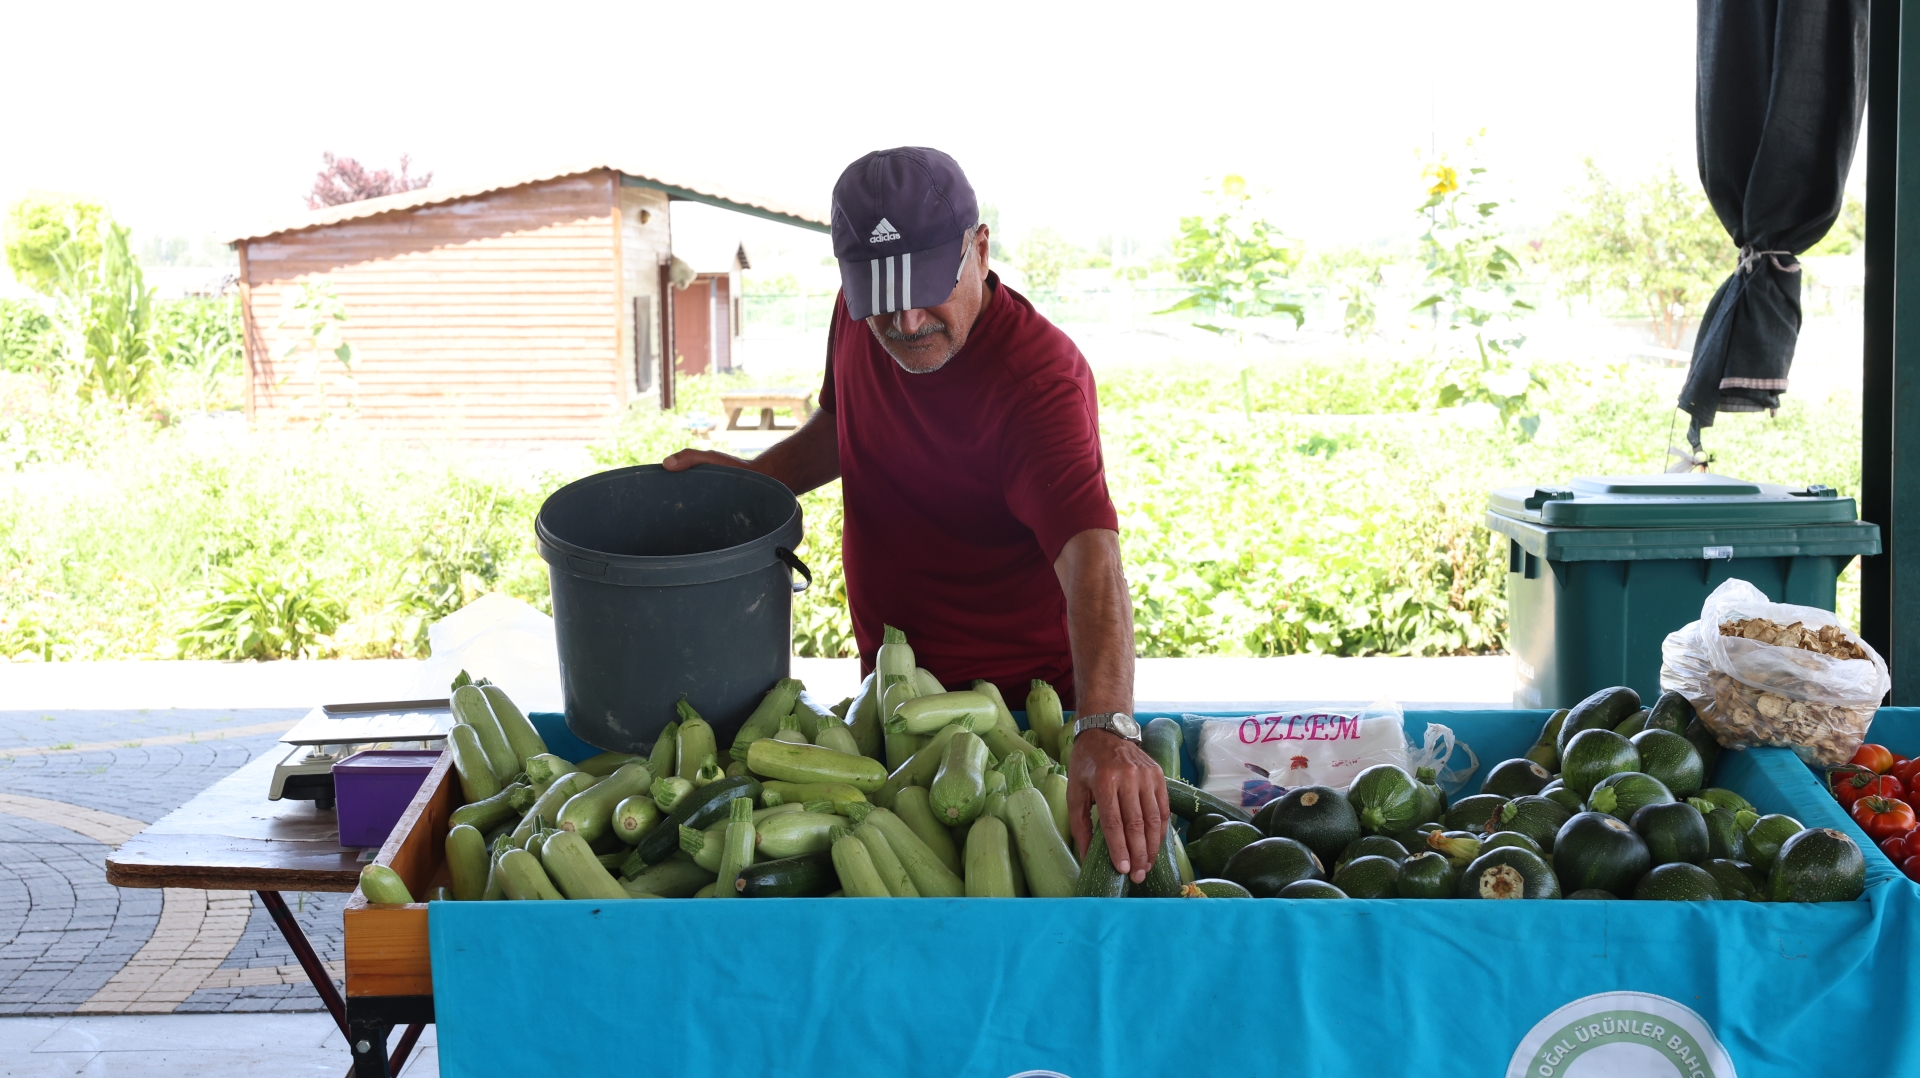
(925, 714)
(775, 792)
(1050, 868)
(886, 862)
(666, 750)
(809, 712)
(469, 706)
(634, 816)
(672, 878)
(545, 769)
(832, 733)
(959, 788)
(919, 769)
(696, 741)
(522, 738)
(736, 851)
(794, 833)
(383, 885)
(600, 765)
(811, 763)
(667, 793)
(546, 808)
(486, 815)
(524, 879)
(1053, 786)
(590, 812)
(913, 807)
(930, 875)
(777, 704)
(863, 719)
(1044, 716)
(467, 862)
(574, 870)
(477, 781)
(854, 865)
(928, 685)
(709, 772)
(989, 860)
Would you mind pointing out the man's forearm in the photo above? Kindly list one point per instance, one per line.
(1099, 621)
(808, 458)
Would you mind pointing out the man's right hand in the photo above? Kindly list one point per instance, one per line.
(687, 458)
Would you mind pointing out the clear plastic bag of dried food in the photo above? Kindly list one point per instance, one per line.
(1766, 673)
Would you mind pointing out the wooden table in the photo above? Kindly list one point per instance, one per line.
(767, 401)
(231, 838)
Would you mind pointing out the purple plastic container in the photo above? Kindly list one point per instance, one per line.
(371, 791)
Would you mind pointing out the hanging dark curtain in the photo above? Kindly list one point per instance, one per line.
(1781, 88)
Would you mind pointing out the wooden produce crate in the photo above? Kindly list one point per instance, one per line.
(386, 945)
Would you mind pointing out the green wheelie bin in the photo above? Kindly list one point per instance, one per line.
(1601, 569)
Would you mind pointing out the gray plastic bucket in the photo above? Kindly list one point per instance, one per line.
(669, 584)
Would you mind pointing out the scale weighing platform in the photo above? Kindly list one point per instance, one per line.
(332, 732)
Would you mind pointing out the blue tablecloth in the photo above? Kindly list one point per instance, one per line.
(988, 989)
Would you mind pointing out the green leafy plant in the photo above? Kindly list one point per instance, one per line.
(255, 612)
(317, 318)
(199, 339)
(1237, 263)
(106, 309)
(1472, 302)
(48, 234)
(1655, 244)
(29, 342)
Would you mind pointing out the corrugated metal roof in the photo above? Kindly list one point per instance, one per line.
(696, 190)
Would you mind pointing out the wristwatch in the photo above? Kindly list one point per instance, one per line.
(1113, 722)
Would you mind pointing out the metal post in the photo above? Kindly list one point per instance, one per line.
(302, 950)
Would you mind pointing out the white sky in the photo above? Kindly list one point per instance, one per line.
(1090, 118)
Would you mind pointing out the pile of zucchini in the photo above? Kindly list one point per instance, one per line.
(1610, 802)
(905, 790)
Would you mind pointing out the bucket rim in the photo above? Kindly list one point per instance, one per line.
(641, 570)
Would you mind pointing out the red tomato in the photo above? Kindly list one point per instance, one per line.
(1904, 771)
(1913, 844)
(1911, 866)
(1853, 783)
(1877, 758)
(1883, 817)
(1895, 848)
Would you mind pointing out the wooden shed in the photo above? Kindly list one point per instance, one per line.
(534, 309)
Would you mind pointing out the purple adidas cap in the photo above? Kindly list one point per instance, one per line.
(899, 224)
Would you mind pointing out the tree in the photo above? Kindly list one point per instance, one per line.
(105, 310)
(342, 180)
(1655, 244)
(1043, 256)
(40, 225)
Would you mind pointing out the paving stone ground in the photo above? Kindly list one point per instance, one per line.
(64, 931)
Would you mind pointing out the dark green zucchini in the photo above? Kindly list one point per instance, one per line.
(1221, 889)
(809, 875)
(1371, 876)
(1539, 818)
(1098, 877)
(699, 810)
(1671, 712)
(1426, 875)
(1319, 816)
(1509, 872)
(1188, 802)
(1604, 710)
(1163, 879)
(1310, 889)
(1472, 813)
(1210, 851)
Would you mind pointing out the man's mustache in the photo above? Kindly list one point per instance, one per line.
(892, 332)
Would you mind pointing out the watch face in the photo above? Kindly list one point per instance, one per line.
(1125, 727)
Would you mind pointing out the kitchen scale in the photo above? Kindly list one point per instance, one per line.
(332, 732)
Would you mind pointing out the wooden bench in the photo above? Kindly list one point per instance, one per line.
(767, 401)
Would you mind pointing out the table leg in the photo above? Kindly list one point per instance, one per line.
(766, 419)
(302, 950)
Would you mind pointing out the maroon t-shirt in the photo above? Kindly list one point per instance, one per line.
(961, 488)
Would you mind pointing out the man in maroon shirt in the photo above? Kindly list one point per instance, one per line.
(964, 427)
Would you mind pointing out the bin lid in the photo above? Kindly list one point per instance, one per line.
(1686, 500)
(390, 761)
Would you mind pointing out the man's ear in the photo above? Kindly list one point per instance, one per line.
(980, 247)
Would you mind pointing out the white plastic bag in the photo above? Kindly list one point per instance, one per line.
(1250, 761)
(1752, 692)
(501, 639)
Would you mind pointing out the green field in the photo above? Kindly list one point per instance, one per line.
(1342, 518)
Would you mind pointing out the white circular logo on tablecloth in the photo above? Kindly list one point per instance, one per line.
(1621, 1035)
(1038, 1074)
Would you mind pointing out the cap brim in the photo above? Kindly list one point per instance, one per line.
(899, 282)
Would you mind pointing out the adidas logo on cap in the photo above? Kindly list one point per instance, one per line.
(883, 232)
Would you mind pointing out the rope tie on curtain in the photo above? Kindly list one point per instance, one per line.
(1750, 258)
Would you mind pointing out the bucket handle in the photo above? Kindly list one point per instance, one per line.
(793, 562)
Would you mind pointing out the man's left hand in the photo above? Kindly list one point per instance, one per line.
(1117, 775)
